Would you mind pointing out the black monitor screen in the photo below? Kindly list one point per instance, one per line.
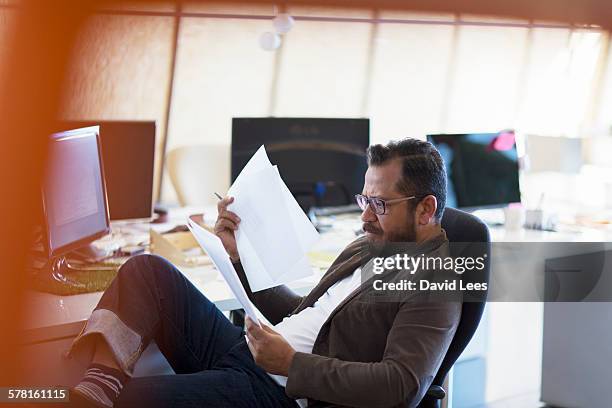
(482, 168)
(322, 161)
(128, 154)
(74, 194)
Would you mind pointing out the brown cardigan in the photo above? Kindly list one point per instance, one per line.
(367, 354)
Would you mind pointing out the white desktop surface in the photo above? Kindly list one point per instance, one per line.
(509, 338)
(53, 317)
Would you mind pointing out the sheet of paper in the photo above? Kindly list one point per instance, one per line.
(215, 250)
(306, 232)
(266, 223)
(303, 228)
(257, 162)
(274, 234)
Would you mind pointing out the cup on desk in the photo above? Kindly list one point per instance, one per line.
(514, 217)
(534, 219)
(540, 220)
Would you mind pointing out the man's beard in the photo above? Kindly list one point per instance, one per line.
(408, 234)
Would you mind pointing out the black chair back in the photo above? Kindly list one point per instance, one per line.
(462, 227)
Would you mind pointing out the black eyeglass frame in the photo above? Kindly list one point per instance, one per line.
(362, 201)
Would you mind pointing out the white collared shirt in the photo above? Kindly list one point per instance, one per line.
(301, 329)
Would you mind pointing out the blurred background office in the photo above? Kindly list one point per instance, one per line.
(193, 67)
(412, 74)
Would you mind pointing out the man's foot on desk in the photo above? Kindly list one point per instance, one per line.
(100, 386)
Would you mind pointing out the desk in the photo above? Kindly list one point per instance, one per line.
(509, 339)
(53, 320)
(55, 317)
(61, 316)
(512, 355)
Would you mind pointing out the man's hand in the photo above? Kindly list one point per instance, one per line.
(227, 222)
(270, 350)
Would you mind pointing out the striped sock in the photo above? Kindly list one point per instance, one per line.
(101, 385)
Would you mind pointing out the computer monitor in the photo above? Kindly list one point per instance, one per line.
(128, 154)
(482, 169)
(322, 161)
(74, 193)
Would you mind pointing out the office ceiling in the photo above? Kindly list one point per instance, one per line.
(580, 12)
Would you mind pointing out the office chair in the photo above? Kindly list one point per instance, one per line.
(465, 228)
(197, 171)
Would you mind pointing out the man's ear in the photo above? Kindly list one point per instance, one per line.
(426, 210)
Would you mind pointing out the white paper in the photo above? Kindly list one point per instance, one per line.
(306, 232)
(215, 250)
(274, 234)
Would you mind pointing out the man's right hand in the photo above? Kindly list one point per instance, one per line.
(227, 223)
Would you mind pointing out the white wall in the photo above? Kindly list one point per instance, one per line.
(410, 73)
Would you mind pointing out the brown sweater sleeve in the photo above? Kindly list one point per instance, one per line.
(416, 345)
(275, 303)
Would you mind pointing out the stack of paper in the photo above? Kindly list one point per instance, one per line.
(274, 234)
(215, 250)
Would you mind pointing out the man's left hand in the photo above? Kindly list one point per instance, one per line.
(270, 350)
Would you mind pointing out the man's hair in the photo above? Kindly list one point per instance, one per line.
(423, 170)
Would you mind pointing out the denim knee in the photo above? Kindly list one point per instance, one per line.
(146, 267)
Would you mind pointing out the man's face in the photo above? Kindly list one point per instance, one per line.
(397, 224)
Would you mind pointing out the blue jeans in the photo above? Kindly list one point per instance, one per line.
(151, 300)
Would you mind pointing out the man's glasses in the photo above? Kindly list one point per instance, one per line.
(378, 205)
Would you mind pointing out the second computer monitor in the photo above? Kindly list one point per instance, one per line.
(322, 161)
(128, 152)
(482, 169)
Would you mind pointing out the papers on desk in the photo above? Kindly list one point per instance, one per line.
(274, 235)
(215, 250)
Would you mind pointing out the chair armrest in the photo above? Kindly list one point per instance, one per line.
(436, 392)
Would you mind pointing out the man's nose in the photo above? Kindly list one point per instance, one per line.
(368, 215)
